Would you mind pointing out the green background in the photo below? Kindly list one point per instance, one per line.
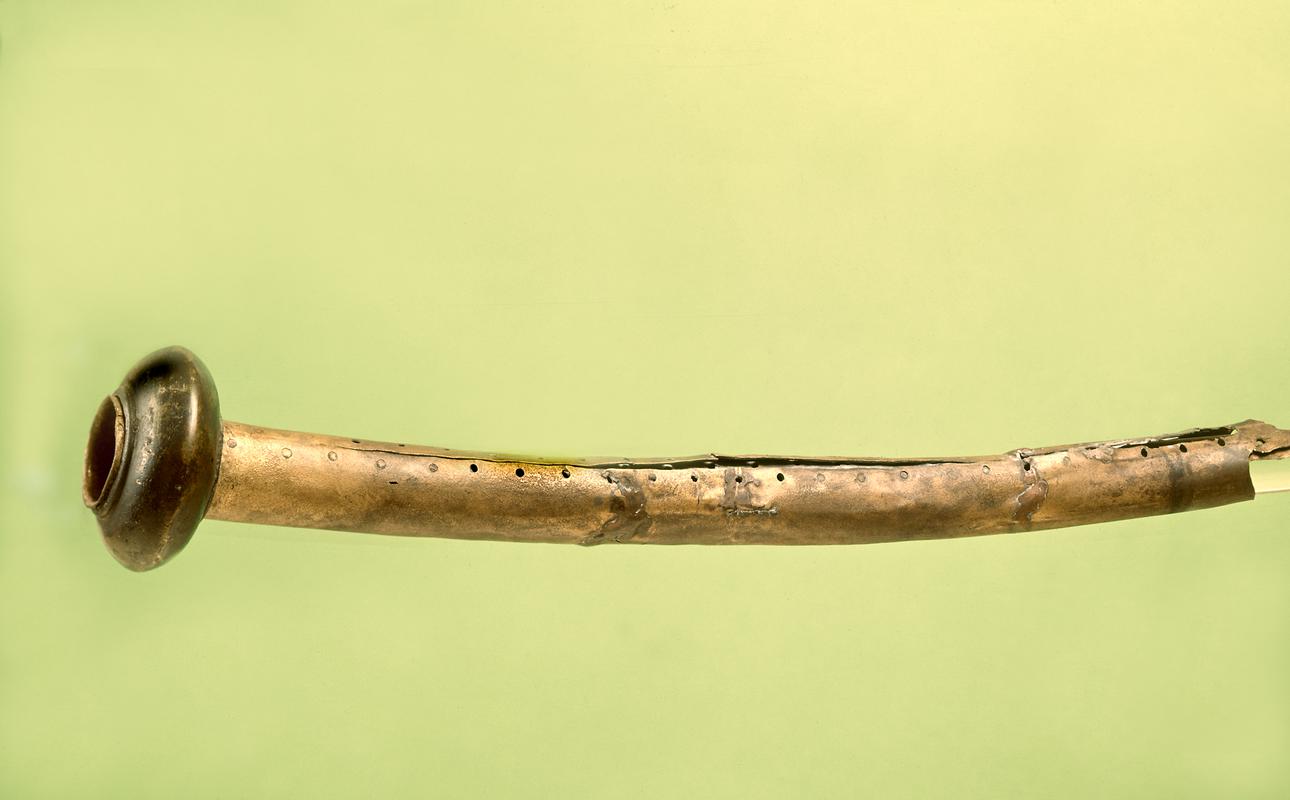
(656, 228)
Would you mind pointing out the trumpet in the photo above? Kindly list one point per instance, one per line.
(160, 459)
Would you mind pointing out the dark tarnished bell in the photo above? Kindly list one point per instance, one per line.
(153, 457)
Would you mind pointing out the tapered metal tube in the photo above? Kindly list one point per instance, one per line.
(160, 459)
(308, 480)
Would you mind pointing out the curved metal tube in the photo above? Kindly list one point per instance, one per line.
(172, 461)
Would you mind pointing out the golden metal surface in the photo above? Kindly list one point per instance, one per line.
(279, 477)
(161, 434)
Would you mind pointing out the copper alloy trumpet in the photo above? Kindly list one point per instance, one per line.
(160, 459)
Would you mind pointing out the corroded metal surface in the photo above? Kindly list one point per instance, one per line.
(160, 458)
(286, 478)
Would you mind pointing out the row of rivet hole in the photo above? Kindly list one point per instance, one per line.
(564, 473)
(519, 471)
(779, 476)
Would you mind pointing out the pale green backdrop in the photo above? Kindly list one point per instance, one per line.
(892, 229)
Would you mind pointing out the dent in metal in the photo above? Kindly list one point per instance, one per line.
(628, 515)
